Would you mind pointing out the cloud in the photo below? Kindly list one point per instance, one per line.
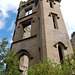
(12, 26)
(10, 41)
(5, 6)
(67, 9)
(11, 34)
(3, 16)
(2, 24)
(68, 12)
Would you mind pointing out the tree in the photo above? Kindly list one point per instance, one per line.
(51, 68)
(8, 61)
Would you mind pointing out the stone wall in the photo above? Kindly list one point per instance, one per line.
(73, 40)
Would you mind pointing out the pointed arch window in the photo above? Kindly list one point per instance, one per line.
(24, 57)
(24, 63)
(61, 47)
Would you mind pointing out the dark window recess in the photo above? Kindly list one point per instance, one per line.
(39, 54)
(51, 4)
(27, 30)
(60, 53)
(28, 11)
(55, 22)
(58, 0)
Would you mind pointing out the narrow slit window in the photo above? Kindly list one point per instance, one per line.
(61, 55)
(51, 4)
(28, 11)
(54, 22)
(27, 30)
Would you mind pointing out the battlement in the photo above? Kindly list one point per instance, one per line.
(24, 3)
(73, 34)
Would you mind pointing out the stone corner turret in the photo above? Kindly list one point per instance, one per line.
(73, 34)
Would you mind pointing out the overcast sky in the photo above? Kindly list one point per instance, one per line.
(8, 12)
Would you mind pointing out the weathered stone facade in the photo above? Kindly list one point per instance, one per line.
(48, 36)
(73, 40)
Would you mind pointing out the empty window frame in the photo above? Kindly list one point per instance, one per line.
(54, 17)
(27, 30)
(51, 4)
(24, 64)
(28, 11)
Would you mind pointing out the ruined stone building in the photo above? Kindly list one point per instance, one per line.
(73, 40)
(40, 33)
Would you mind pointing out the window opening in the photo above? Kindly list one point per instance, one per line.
(27, 30)
(60, 53)
(51, 4)
(39, 54)
(55, 22)
(24, 63)
(28, 11)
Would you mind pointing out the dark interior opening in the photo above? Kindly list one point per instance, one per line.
(60, 53)
(26, 24)
(51, 5)
(54, 22)
(58, 0)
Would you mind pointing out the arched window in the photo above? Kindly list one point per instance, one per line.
(24, 57)
(24, 63)
(61, 47)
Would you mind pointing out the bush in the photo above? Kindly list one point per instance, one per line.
(51, 68)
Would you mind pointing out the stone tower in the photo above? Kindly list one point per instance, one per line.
(40, 33)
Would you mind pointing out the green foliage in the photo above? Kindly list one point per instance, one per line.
(51, 68)
(8, 58)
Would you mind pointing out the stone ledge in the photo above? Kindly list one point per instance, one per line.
(24, 39)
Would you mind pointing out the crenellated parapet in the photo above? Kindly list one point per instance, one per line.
(73, 34)
(25, 4)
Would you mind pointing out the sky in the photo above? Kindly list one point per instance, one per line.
(8, 13)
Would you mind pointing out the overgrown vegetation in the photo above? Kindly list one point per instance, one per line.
(8, 61)
(51, 68)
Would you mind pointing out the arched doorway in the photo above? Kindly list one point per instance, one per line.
(24, 57)
(24, 63)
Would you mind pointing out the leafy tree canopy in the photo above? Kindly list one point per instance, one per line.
(8, 61)
(51, 68)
